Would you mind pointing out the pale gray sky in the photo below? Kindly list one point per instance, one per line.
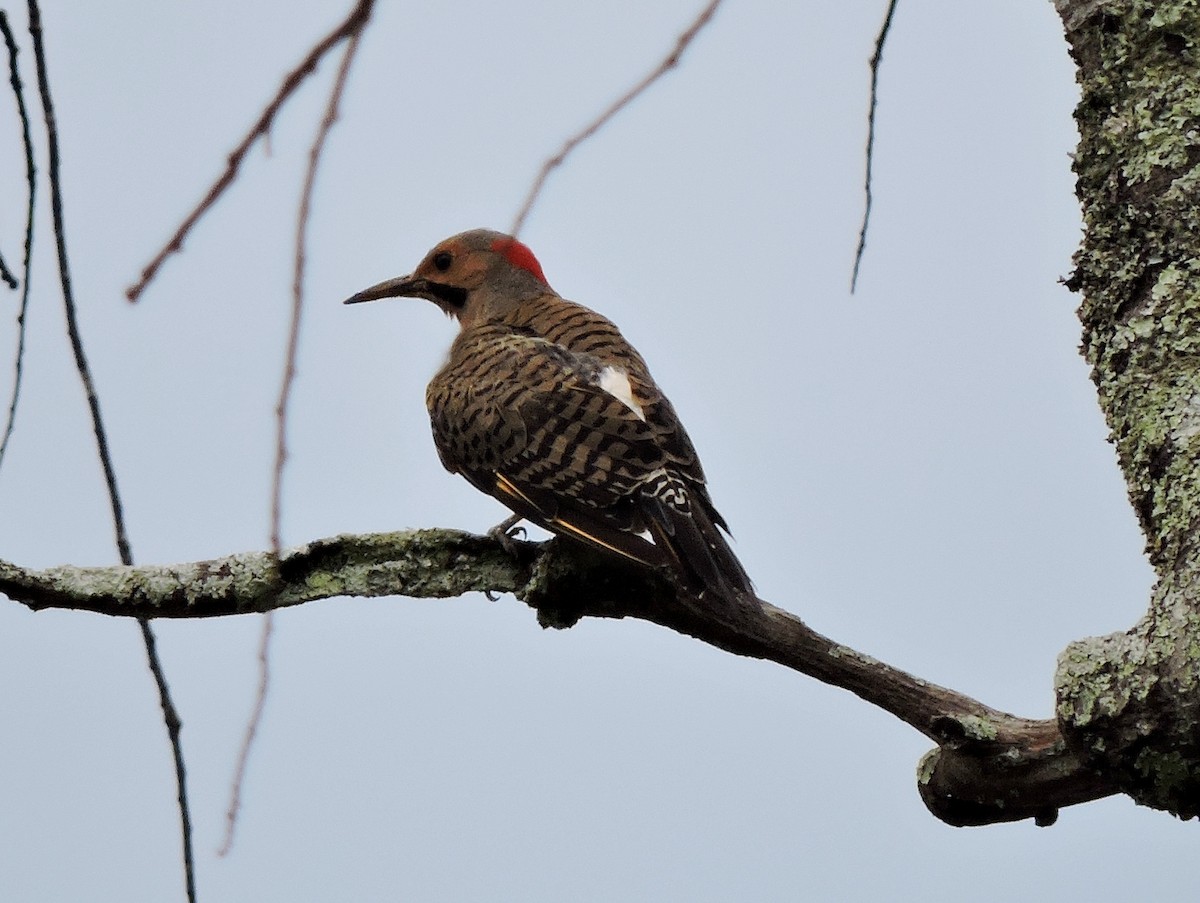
(919, 470)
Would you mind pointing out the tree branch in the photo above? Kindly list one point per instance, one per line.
(170, 714)
(14, 80)
(281, 416)
(990, 766)
(876, 59)
(352, 25)
(669, 62)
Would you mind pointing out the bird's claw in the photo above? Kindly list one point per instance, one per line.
(507, 533)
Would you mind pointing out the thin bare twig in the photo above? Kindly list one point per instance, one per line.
(302, 218)
(668, 63)
(6, 275)
(351, 26)
(281, 411)
(876, 58)
(14, 78)
(170, 714)
(260, 701)
(56, 209)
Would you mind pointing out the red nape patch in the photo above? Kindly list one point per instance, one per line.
(519, 255)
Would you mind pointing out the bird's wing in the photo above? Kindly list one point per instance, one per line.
(585, 450)
(591, 445)
(593, 338)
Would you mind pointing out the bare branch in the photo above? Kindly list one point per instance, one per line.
(170, 714)
(668, 63)
(302, 217)
(990, 766)
(281, 410)
(349, 27)
(14, 79)
(6, 275)
(260, 702)
(876, 59)
(174, 725)
(64, 273)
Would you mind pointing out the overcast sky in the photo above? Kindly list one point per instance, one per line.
(919, 470)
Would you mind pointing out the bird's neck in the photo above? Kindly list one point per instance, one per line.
(509, 309)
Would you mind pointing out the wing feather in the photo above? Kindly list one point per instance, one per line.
(540, 428)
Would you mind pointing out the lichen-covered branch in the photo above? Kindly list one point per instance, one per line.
(422, 563)
(990, 766)
(1129, 704)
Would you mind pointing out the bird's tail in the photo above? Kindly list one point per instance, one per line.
(700, 555)
(685, 539)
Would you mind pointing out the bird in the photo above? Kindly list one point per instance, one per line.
(545, 406)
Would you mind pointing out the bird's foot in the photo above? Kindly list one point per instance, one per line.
(507, 533)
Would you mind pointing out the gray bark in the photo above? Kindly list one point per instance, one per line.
(1128, 703)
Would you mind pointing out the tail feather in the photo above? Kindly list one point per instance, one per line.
(699, 553)
(544, 509)
(685, 534)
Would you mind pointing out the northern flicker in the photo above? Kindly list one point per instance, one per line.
(544, 405)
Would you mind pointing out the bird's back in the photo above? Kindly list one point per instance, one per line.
(578, 329)
(551, 410)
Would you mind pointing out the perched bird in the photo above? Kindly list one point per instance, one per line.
(544, 405)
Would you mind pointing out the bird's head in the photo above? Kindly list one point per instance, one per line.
(473, 276)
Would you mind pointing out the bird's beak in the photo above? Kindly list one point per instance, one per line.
(400, 287)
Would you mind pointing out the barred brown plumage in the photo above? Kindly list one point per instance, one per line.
(544, 405)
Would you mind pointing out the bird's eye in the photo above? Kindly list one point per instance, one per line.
(442, 260)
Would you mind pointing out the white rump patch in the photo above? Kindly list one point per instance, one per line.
(616, 383)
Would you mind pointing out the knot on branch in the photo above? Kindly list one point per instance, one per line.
(994, 767)
(961, 790)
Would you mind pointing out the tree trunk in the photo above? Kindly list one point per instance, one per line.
(1128, 703)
